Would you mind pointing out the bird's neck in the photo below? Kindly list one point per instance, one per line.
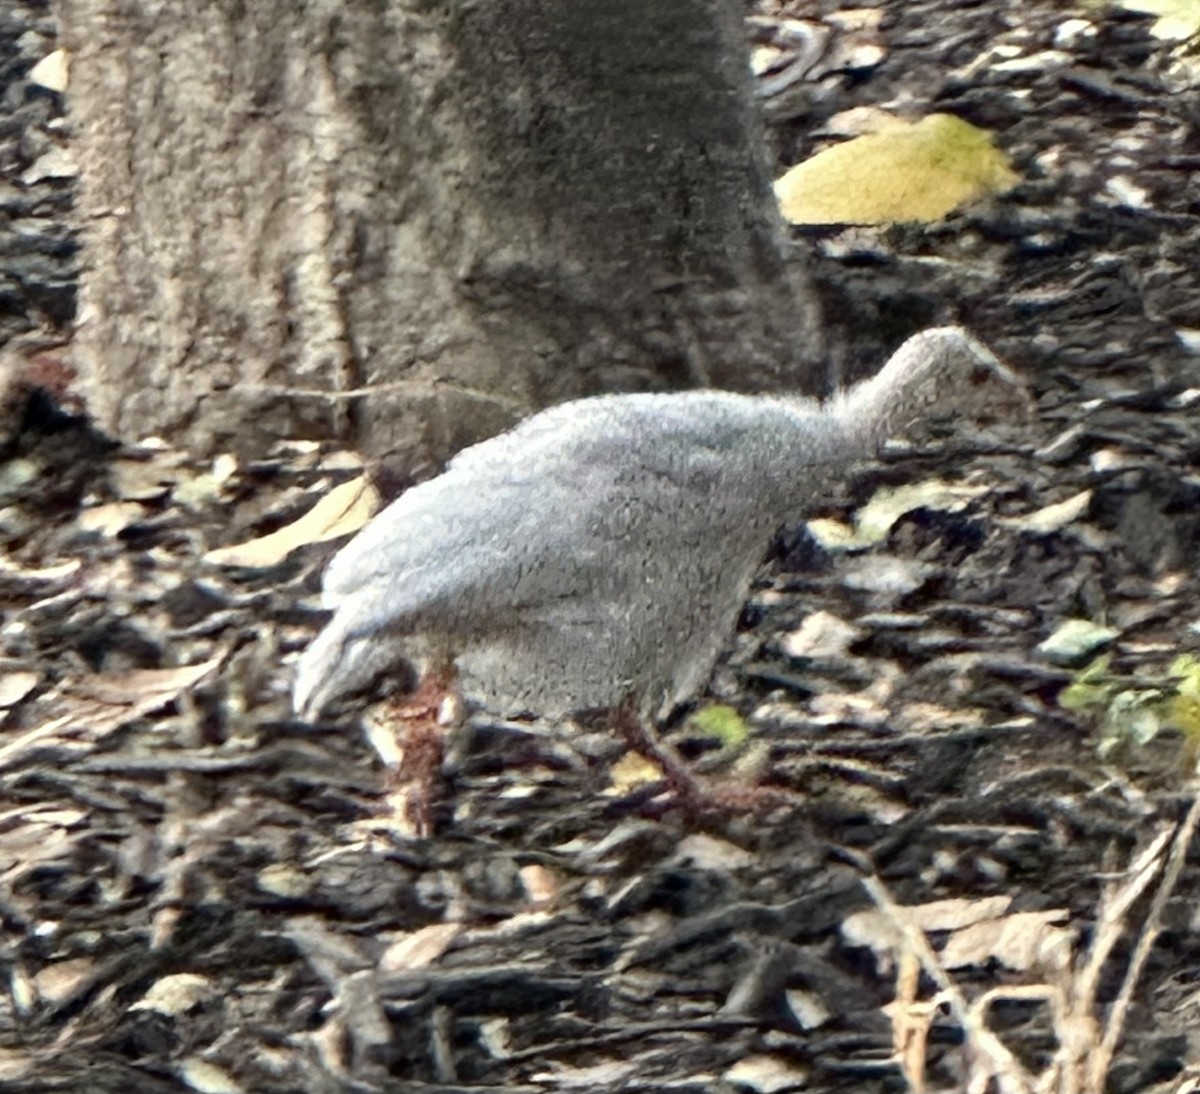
(902, 394)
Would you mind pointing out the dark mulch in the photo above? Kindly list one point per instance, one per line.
(200, 894)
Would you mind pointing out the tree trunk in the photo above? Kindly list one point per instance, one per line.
(407, 224)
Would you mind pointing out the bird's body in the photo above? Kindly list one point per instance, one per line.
(599, 552)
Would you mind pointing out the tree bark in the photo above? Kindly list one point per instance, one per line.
(407, 224)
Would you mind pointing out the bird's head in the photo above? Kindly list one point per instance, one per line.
(938, 378)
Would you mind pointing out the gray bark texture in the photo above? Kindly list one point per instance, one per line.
(407, 224)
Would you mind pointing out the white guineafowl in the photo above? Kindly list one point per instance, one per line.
(598, 553)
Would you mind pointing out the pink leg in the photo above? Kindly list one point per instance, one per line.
(421, 730)
(696, 796)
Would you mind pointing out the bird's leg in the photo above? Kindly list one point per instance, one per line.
(420, 720)
(694, 793)
(688, 791)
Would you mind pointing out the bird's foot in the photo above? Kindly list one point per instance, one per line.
(697, 796)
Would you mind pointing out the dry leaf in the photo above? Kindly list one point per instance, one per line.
(767, 1074)
(609, 1075)
(1018, 941)
(102, 703)
(16, 1064)
(105, 702)
(833, 535)
(207, 1078)
(709, 853)
(13, 750)
(876, 519)
(541, 884)
(851, 708)
(58, 982)
(1074, 641)
(807, 1008)
(110, 519)
(419, 949)
(177, 994)
(956, 912)
(147, 479)
(1052, 518)
(822, 634)
(14, 686)
(57, 574)
(923, 717)
(631, 771)
(1177, 20)
(343, 510)
(1106, 461)
(34, 836)
(921, 172)
(875, 929)
(858, 121)
(283, 880)
(53, 71)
